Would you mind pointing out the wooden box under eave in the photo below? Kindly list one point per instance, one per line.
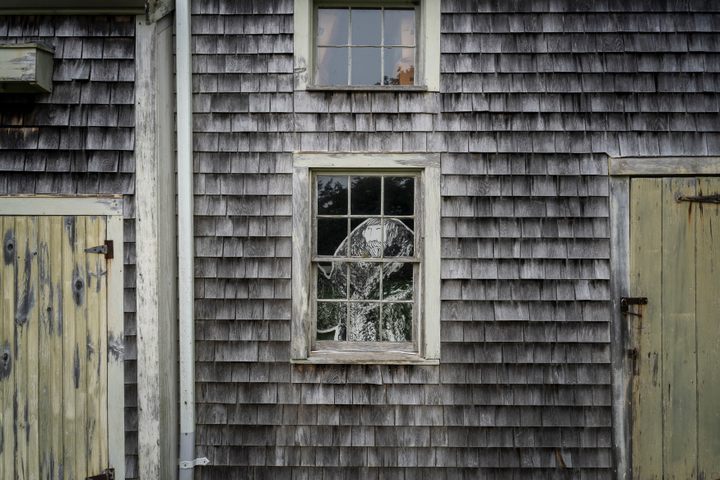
(26, 68)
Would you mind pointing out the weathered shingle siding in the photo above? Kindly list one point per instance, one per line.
(79, 139)
(535, 95)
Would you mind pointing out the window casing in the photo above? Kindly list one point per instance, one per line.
(356, 45)
(366, 258)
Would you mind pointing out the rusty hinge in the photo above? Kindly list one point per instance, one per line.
(714, 198)
(107, 474)
(106, 249)
(633, 357)
(625, 303)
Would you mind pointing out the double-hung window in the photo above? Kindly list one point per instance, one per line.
(367, 45)
(366, 258)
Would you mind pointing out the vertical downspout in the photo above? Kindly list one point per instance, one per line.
(183, 87)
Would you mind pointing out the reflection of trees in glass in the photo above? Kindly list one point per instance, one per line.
(367, 240)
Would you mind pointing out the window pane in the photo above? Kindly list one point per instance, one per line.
(397, 281)
(365, 195)
(331, 280)
(364, 322)
(332, 66)
(399, 196)
(332, 195)
(397, 322)
(331, 321)
(366, 239)
(399, 239)
(400, 27)
(399, 66)
(364, 281)
(330, 235)
(332, 26)
(365, 66)
(366, 26)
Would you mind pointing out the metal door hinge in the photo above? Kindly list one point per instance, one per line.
(107, 474)
(106, 249)
(187, 465)
(625, 303)
(714, 198)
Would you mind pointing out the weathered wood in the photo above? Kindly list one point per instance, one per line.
(45, 363)
(55, 345)
(32, 424)
(20, 369)
(80, 363)
(26, 68)
(645, 333)
(664, 166)
(53, 205)
(7, 280)
(708, 332)
(95, 268)
(115, 352)
(101, 438)
(69, 234)
(156, 254)
(679, 344)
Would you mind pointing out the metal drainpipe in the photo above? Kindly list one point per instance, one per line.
(183, 78)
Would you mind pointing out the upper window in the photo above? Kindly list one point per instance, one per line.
(367, 45)
(366, 258)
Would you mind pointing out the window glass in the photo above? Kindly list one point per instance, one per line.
(367, 291)
(365, 46)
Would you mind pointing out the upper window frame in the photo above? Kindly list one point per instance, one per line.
(426, 345)
(427, 45)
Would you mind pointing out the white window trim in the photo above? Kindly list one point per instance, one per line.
(429, 324)
(428, 45)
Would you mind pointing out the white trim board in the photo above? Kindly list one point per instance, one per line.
(663, 166)
(52, 205)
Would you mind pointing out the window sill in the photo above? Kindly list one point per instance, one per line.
(335, 357)
(367, 88)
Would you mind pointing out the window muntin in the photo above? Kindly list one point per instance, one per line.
(362, 46)
(365, 264)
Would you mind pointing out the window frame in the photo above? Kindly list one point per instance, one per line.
(426, 350)
(427, 45)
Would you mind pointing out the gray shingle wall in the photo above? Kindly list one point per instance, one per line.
(535, 95)
(79, 139)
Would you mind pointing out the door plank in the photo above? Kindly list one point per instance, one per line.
(646, 334)
(94, 267)
(102, 440)
(8, 330)
(55, 346)
(22, 299)
(33, 384)
(708, 329)
(80, 295)
(68, 346)
(679, 340)
(44, 358)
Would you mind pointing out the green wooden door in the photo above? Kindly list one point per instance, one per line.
(53, 336)
(675, 262)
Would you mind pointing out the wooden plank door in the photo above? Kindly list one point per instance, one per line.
(54, 341)
(675, 263)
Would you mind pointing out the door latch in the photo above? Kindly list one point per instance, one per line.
(626, 302)
(107, 474)
(106, 249)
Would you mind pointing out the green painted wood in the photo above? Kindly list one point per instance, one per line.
(645, 333)
(679, 337)
(708, 328)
